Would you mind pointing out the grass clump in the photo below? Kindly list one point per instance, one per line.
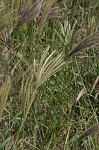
(49, 98)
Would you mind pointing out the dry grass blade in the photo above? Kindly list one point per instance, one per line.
(94, 85)
(4, 93)
(28, 13)
(6, 20)
(94, 38)
(46, 10)
(81, 93)
(90, 131)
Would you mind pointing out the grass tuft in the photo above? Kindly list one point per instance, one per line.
(47, 97)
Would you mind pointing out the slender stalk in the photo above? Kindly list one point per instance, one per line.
(25, 117)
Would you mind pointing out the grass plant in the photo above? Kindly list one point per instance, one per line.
(49, 75)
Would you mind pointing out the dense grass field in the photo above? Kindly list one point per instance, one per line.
(49, 75)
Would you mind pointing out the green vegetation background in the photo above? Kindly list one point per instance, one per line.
(68, 102)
